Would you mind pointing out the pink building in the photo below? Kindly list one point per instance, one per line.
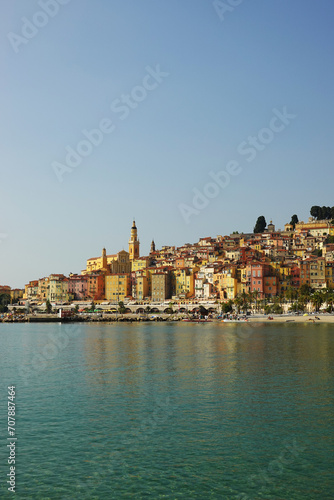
(257, 272)
(77, 286)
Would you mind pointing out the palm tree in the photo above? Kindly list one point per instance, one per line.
(256, 294)
(245, 300)
(238, 301)
(121, 307)
(227, 307)
(291, 294)
(329, 298)
(317, 299)
(281, 298)
(262, 304)
(249, 297)
(304, 294)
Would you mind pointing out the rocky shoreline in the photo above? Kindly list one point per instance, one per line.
(54, 318)
(133, 318)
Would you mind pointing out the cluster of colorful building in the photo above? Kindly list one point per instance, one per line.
(269, 263)
(13, 293)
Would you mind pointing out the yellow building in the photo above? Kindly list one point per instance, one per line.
(211, 258)
(117, 287)
(288, 228)
(227, 284)
(283, 273)
(142, 286)
(315, 227)
(31, 290)
(58, 288)
(299, 252)
(184, 282)
(191, 261)
(330, 275)
(139, 264)
(280, 269)
(243, 280)
(16, 293)
(318, 273)
(115, 263)
(256, 246)
(43, 289)
(328, 252)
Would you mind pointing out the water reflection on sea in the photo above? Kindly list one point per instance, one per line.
(171, 410)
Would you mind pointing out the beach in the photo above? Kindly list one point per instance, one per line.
(283, 318)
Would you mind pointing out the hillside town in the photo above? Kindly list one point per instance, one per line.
(267, 267)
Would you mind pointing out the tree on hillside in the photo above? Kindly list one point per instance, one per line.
(325, 212)
(4, 301)
(322, 213)
(315, 210)
(329, 239)
(294, 220)
(260, 224)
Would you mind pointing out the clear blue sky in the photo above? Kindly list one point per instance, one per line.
(225, 77)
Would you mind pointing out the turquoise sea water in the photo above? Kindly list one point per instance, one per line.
(169, 410)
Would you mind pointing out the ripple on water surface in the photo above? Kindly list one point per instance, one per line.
(170, 410)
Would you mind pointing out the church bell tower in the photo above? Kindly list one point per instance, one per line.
(104, 259)
(133, 243)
